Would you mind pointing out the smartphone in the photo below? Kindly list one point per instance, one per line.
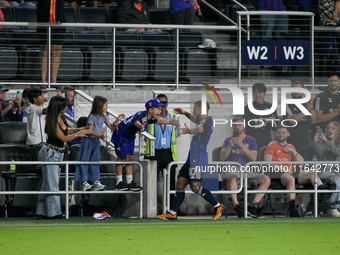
(236, 133)
(18, 93)
(319, 131)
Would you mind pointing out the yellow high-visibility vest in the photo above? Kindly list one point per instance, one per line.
(151, 131)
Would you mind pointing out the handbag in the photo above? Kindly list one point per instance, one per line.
(194, 5)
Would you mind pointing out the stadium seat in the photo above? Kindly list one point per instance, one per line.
(25, 14)
(71, 15)
(72, 58)
(93, 15)
(8, 61)
(13, 132)
(25, 35)
(16, 152)
(71, 64)
(159, 16)
(100, 66)
(131, 58)
(70, 36)
(161, 55)
(8, 15)
(92, 40)
(134, 65)
(195, 62)
(26, 178)
(94, 36)
(31, 64)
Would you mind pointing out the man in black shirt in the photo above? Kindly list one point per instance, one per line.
(260, 126)
(134, 12)
(299, 135)
(327, 103)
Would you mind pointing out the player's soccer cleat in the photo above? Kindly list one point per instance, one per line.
(98, 186)
(218, 212)
(122, 186)
(134, 187)
(167, 216)
(87, 186)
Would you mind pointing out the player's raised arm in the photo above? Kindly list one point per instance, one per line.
(190, 116)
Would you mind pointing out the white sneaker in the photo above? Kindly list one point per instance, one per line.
(87, 186)
(98, 186)
(333, 212)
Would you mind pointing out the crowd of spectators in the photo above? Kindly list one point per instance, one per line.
(315, 136)
(294, 144)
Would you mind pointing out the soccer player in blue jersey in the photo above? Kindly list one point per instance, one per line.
(123, 137)
(242, 148)
(197, 158)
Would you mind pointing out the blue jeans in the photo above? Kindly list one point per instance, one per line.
(329, 178)
(271, 24)
(89, 151)
(329, 48)
(49, 205)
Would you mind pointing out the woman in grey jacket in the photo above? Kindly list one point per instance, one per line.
(327, 148)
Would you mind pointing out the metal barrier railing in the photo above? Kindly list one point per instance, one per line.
(315, 191)
(82, 107)
(67, 192)
(244, 183)
(166, 182)
(20, 51)
(100, 51)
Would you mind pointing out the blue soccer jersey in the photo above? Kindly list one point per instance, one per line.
(236, 154)
(126, 127)
(198, 155)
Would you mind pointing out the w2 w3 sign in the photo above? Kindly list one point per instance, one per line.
(287, 53)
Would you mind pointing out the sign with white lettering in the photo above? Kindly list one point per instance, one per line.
(282, 53)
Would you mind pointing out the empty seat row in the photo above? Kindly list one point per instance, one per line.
(150, 54)
(132, 64)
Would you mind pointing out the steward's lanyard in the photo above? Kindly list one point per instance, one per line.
(163, 129)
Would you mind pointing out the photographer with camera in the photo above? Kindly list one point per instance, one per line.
(10, 110)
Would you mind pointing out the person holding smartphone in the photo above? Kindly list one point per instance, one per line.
(327, 148)
(242, 148)
(9, 110)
